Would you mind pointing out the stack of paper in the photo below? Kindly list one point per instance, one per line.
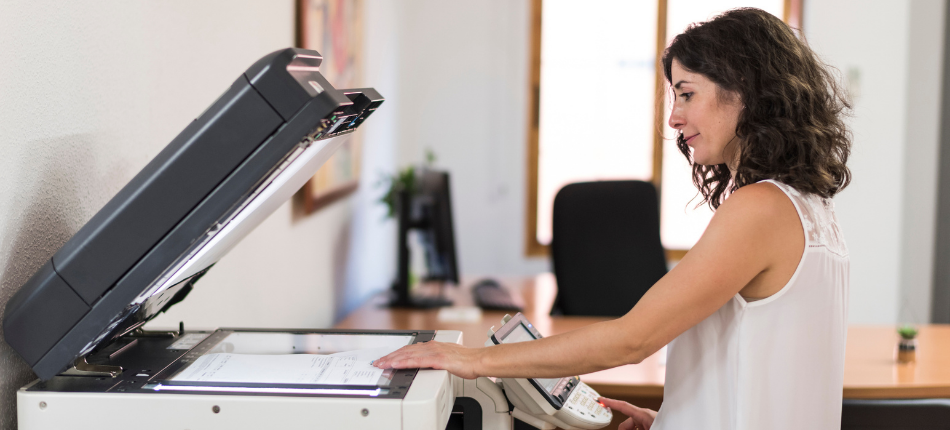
(343, 368)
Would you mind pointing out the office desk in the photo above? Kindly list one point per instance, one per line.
(871, 370)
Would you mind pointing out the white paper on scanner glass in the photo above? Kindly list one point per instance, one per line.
(342, 368)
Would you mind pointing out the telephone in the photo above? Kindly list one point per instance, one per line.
(547, 402)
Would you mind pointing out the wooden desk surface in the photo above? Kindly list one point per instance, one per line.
(871, 369)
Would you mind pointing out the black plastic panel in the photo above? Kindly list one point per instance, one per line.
(283, 79)
(172, 184)
(45, 310)
(113, 306)
(165, 211)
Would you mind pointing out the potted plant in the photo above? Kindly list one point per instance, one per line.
(400, 189)
(907, 347)
(403, 180)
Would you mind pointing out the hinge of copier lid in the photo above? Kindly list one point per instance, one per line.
(82, 368)
(139, 332)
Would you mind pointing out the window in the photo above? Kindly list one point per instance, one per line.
(595, 113)
(596, 98)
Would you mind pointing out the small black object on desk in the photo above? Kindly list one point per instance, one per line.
(428, 210)
(490, 295)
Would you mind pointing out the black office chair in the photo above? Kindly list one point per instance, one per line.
(916, 414)
(605, 246)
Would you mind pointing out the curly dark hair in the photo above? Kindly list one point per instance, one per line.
(791, 128)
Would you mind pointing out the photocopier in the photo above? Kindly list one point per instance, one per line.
(78, 321)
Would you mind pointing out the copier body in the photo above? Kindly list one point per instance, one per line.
(78, 321)
(102, 403)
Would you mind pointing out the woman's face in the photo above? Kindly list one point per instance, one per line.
(707, 124)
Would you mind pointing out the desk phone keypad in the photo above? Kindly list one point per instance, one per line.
(583, 402)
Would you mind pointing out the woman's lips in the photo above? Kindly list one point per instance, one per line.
(688, 139)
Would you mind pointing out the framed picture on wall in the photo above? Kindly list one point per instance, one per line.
(333, 28)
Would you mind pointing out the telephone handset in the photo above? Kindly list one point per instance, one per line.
(547, 402)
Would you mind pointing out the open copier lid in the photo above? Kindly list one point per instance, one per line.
(246, 155)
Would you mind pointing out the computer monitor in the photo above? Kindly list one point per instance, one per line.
(428, 210)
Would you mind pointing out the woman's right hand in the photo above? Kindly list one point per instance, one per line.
(640, 418)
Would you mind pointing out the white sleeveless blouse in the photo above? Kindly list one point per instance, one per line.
(775, 363)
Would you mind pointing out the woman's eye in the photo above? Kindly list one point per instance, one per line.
(686, 96)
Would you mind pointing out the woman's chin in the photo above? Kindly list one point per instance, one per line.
(703, 160)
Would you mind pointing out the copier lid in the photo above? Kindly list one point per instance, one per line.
(247, 154)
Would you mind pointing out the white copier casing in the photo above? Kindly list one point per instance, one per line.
(426, 406)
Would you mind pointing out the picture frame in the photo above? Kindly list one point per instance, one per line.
(334, 28)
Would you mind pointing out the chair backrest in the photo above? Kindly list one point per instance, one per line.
(605, 246)
(913, 414)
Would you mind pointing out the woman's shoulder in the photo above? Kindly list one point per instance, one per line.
(766, 197)
(761, 206)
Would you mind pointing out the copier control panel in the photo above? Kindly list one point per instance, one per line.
(565, 402)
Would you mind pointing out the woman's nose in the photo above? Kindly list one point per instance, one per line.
(676, 119)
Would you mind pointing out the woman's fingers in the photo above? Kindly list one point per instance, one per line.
(399, 354)
(632, 424)
(437, 355)
(640, 418)
(619, 406)
(627, 424)
(406, 357)
(421, 357)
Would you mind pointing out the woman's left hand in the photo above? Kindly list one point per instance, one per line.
(457, 359)
(640, 418)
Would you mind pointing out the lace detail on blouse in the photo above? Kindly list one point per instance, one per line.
(818, 220)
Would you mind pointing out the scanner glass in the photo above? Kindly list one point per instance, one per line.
(273, 343)
(338, 361)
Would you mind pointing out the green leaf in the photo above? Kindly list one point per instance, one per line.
(402, 180)
(907, 331)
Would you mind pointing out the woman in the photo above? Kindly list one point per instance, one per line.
(755, 314)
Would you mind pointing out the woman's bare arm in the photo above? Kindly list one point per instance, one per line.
(754, 231)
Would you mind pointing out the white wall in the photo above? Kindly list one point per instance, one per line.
(463, 86)
(887, 213)
(371, 261)
(924, 87)
(92, 90)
